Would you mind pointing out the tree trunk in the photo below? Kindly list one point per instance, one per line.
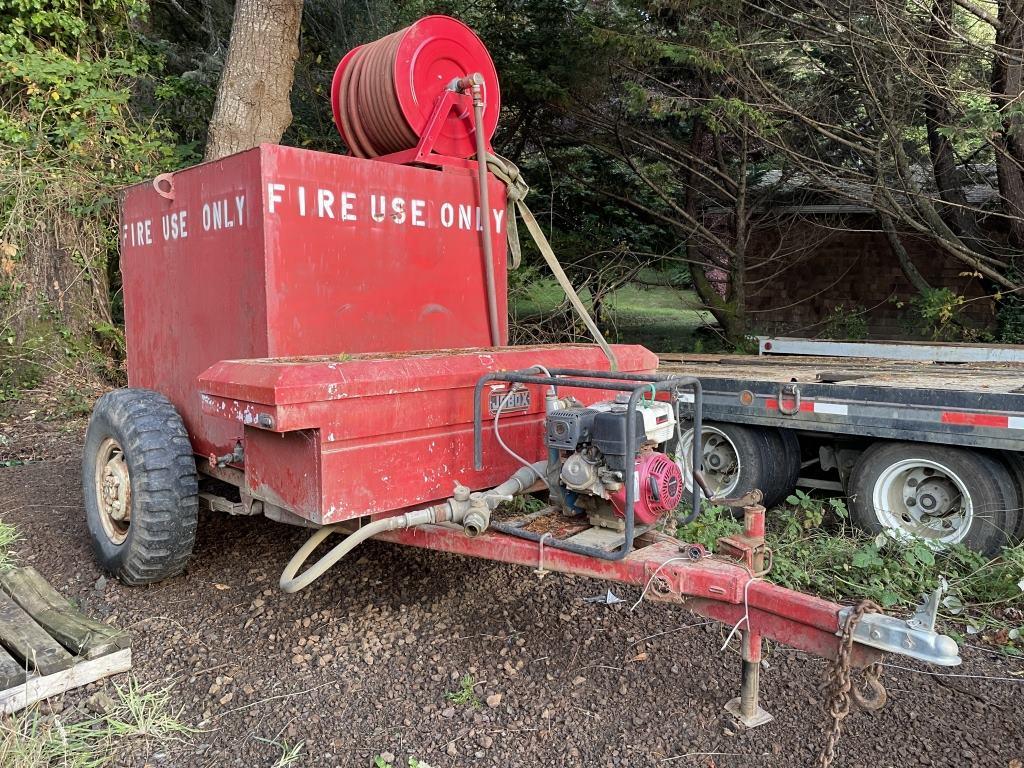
(727, 312)
(732, 323)
(738, 262)
(1007, 83)
(910, 271)
(937, 117)
(253, 99)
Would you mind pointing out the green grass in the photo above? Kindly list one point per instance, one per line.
(380, 762)
(288, 754)
(661, 317)
(817, 550)
(140, 722)
(8, 538)
(464, 695)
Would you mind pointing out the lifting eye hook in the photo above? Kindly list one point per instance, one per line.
(792, 407)
(164, 185)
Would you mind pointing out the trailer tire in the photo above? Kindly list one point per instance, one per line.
(737, 459)
(140, 485)
(1014, 462)
(794, 454)
(783, 464)
(974, 491)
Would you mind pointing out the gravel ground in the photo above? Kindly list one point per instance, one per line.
(362, 663)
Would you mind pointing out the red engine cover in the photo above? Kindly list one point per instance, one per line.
(659, 484)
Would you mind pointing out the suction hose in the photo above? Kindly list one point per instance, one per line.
(292, 583)
(471, 508)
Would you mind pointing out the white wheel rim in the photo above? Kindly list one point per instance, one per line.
(923, 499)
(722, 466)
(113, 491)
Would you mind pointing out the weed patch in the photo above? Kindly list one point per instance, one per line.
(465, 695)
(817, 550)
(139, 722)
(8, 538)
(288, 754)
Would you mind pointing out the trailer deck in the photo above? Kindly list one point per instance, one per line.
(969, 404)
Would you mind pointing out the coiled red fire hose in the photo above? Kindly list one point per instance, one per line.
(384, 93)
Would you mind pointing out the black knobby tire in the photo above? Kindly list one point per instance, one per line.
(791, 446)
(137, 442)
(991, 489)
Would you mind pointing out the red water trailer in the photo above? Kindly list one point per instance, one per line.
(321, 339)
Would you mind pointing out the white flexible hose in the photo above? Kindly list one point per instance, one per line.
(289, 582)
(292, 583)
(497, 433)
(497, 415)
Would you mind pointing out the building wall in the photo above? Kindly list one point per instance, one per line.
(802, 270)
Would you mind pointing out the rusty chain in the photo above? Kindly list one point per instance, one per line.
(840, 688)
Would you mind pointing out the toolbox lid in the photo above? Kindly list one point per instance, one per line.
(289, 380)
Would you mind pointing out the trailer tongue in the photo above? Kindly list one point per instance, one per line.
(277, 305)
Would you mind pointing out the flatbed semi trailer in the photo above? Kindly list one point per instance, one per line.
(931, 450)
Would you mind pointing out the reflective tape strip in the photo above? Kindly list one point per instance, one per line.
(812, 406)
(835, 408)
(959, 418)
(975, 419)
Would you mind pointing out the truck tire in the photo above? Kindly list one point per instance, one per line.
(785, 462)
(737, 459)
(937, 493)
(140, 486)
(1015, 464)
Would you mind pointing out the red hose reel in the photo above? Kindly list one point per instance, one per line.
(397, 94)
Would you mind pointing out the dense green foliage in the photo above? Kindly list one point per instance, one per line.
(71, 135)
(816, 549)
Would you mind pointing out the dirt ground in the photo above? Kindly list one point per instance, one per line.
(361, 663)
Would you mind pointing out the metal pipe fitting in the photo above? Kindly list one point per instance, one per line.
(478, 519)
(472, 511)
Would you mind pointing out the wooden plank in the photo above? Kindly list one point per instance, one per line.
(27, 642)
(78, 633)
(11, 672)
(85, 672)
(604, 538)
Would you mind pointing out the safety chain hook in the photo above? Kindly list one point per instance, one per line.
(841, 688)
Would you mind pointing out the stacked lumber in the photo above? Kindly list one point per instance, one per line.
(47, 646)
